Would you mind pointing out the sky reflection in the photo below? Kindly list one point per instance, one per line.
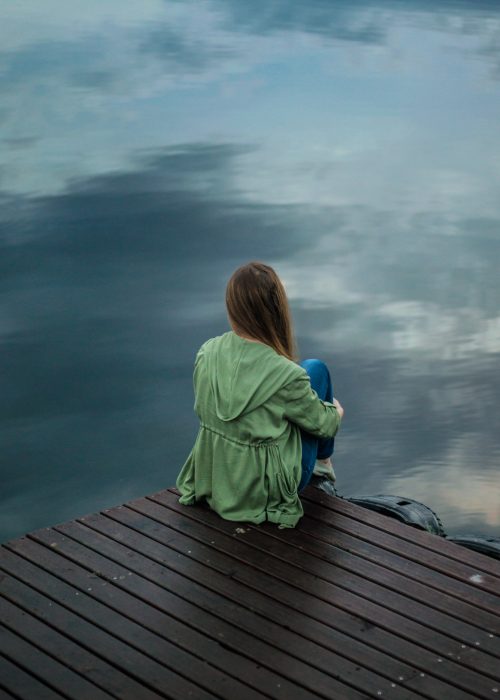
(149, 149)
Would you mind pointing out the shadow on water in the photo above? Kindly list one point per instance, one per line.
(354, 149)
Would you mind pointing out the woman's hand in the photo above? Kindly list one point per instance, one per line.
(338, 406)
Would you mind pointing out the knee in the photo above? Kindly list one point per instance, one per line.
(319, 376)
(315, 368)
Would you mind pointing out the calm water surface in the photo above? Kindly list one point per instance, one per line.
(147, 149)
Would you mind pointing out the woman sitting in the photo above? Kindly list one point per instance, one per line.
(266, 422)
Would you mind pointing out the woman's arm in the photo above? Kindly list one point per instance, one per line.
(303, 407)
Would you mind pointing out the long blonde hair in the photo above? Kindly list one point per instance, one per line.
(257, 307)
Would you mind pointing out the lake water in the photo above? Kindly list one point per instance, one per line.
(147, 149)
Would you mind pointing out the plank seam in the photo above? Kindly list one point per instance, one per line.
(152, 580)
(410, 557)
(382, 565)
(383, 585)
(391, 631)
(290, 582)
(196, 581)
(82, 587)
(405, 534)
(32, 643)
(11, 693)
(89, 649)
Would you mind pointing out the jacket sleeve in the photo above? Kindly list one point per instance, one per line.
(303, 407)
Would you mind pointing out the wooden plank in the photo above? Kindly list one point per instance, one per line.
(380, 566)
(340, 643)
(355, 575)
(269, 563)
(56, 675)
(483, 594)
(126, 653)
(410, 534)
(4, 695)
(274, 658)
(17, 683)
(80, 579)
(362, 540)
(331, 534)
(184, 604)
(79, 660)
(417, 581)
(206, 517)
(120, 578)
(278, 612)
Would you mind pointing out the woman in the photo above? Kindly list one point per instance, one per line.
(262, 424)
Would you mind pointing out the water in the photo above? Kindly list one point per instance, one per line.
(150, 148)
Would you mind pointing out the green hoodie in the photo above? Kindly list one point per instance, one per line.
(251, 402)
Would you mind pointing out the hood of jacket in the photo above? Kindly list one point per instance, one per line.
(242, 374)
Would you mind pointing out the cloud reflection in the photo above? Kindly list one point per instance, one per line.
(149, 150)
(465, 500)
(106, 292)
(125, 78)
(109, 287)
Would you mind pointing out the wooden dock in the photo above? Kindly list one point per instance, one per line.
(156, 600)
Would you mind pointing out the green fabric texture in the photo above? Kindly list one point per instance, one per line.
(251, 402)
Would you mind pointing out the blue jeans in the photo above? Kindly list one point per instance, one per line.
(314, 448)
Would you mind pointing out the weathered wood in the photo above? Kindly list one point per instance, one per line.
(461, 572)
(354, 574)
(416, 580)
(163, 600)
(115, 530)
(460, 560)
(17, 683)
(394, 645)
(153, 599)
(43, 667)
(185, 583)
(133, 636)
(93, 586)
(410, 534)
(4, 695)
(131, 562)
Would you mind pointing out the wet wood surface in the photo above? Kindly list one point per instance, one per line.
(156, 600)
